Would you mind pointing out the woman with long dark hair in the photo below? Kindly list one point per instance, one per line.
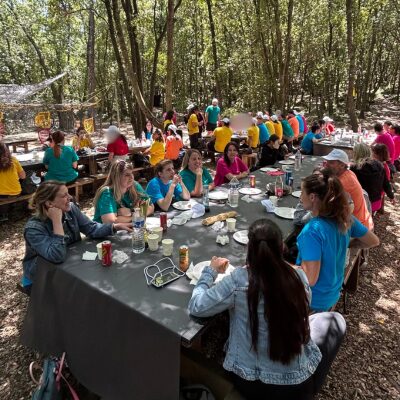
(323, 242)
(271, 348)
(60, 161)
(230, 165)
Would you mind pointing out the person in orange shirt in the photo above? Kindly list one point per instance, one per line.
(294, 123)
(337, 161)
(173, 145)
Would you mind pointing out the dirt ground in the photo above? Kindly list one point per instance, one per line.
(367, 366)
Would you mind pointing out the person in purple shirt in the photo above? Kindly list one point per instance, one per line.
(385, 138)
(304, 121)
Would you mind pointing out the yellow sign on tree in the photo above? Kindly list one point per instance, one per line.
(88, 124)
(43, 120)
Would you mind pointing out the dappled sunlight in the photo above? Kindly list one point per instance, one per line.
(363, 328)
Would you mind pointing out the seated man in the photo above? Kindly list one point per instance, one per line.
(221, 136)
(166, 186)
(314, 136)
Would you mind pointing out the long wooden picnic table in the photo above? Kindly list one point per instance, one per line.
(20, 140)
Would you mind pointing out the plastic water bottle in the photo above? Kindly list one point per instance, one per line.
(234, 192)
(138, 244)
(206, 202)
(279, 187)
(297, 160)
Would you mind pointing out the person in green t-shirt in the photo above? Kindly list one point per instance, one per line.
(119, 195)
(212, 115)
(194, 175)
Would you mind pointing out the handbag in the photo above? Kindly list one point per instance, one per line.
(49, 384)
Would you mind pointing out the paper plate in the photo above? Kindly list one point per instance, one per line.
(286, 162)
(218, 195)
(241, 236)
(152, 222)
(284, 212)
(268, 169)
(195, 272)
(184, 205)
(250, 191)
(296, 193)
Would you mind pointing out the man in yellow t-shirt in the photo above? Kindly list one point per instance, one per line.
(222, 136)
(270, 126)
(277, 126)
(193, 127)
(253, 134)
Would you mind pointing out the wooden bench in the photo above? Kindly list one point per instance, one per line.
(15, 199)
(78, 184)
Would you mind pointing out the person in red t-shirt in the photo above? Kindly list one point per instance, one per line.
(117, 146)
(329, 127)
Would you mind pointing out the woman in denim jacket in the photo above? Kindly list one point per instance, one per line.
(273, 350)
(56, 224)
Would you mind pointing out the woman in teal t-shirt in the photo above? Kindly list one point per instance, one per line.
(60, 161)
(194, 175)
(120, 194)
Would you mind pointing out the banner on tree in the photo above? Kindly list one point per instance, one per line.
(43, 120)
(88, 124)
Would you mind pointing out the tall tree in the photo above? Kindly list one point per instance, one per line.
(170, 55)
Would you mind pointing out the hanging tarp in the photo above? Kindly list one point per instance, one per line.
(14, 94)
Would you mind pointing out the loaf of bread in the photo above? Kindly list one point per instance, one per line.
(219, 217)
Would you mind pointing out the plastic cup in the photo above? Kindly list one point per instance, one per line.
(99, 247)
(274, 200)
(168, 246)
(231, 223)
(152, 240)
(157, 231)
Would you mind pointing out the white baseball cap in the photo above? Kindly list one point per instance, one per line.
(265, 117)
(337, 155)
(172, 127)
(225, 120)
(327, 119)
(274, 117)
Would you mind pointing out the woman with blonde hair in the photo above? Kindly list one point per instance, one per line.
(194, 175)
(60, 161)
(56, 224)
(119, 195)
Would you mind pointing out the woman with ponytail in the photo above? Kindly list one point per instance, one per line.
(60, 161)
(274, 350)
(323, 242)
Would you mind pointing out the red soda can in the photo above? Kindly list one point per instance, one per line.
(252, 181)
(106, 252)
(163, 221)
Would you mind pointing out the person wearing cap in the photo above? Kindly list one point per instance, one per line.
(314, 136)
(277, 126)
(157, 149)
(294, 123)
(173, 143)
(337, 161)
(212, 115)
(193, 127)
(301, 123)
(264, 134)
(384, 138)
(221, 136)
(330, 128)
(269, 124)
(253, 134)
(117, 146)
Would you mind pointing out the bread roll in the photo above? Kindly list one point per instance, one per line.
(219, 217)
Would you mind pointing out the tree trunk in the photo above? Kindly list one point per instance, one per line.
(170, 56)
(91, 63)
(352, 66)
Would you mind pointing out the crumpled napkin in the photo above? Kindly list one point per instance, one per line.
(119, 256)
(222, 239)
(267, 203)
(247, 198)
(89, 256)
(182, 218)
(217, 226)
(198, 210)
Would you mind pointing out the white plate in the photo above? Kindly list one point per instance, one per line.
(268, 169)
(284, 212)
(241, 236)
(218, 195)
(297, 193)
(196, 271)
(250, 191)
(152, 222)
(184, 205)
(286, 162)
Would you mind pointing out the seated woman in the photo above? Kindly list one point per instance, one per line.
(371, 174)
(157, 149)
(221, 136)
(271, 152)
(81, 140)
(10, 174)
(194, 175)
(148, 130)
(119, 195)
(117, 145)
(324, 240)
(274, 348)
(59, 160)
(173, 146)
(56, 224)
(230, 165)
(166, 187)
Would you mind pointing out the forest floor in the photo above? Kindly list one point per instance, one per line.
(367, 366)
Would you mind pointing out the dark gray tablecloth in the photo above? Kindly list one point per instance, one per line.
(322, 149)
(121, 336)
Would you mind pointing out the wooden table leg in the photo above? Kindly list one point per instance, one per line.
(14, 148)
(26, 147)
